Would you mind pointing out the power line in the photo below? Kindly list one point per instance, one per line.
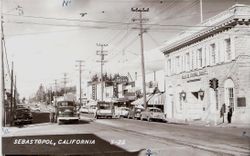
(107, 27)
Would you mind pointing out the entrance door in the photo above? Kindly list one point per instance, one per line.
(229, 93)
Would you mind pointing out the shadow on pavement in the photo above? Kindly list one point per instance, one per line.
(75, 144)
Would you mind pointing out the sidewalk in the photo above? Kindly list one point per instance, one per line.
(207, 124)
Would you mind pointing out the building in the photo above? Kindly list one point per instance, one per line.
(217, 52)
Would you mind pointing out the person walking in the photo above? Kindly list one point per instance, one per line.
(229, 114)
(222, 112)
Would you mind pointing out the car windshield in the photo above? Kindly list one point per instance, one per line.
(104, 106)
(155, 110)
(65, 103)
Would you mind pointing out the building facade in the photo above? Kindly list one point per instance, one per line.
(210, 67)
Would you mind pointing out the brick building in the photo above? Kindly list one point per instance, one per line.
(219, 49)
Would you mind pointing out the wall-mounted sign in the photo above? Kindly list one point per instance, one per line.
(94, 91)
(194, 74)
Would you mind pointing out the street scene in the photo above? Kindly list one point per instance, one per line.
(125, 77)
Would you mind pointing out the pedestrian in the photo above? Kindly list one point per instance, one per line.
(222, 111)
(51, 116)
(229, 114)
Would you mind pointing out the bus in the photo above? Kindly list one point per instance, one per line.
(104, 110)
(66, 111)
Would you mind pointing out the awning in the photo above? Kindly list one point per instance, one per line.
(140, 100)
(157, 99)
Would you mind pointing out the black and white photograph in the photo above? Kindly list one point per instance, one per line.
(125, 77)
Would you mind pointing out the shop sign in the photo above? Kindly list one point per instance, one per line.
(194, 74)
(121, 79)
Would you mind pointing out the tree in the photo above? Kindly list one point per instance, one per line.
(40, 94)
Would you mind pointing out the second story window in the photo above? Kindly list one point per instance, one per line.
(193, 60)
(212, 50)
(228, 49)
(169, 67)
(177, 65)
(199, 57)
(187, 63)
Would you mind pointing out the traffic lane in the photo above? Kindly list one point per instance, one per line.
(214, 138)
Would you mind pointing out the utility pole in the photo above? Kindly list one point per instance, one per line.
(2, 74)
(15, 96)
(102, 53)
(55, 82)
(65, 75)
(11, 97)
(80, 78)
(141, 10)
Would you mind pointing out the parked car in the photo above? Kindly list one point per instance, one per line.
(104, 110)
(135, 113)
(84, 109)
(124, 112)
(22, 116)
(92, 109)
(153, 113)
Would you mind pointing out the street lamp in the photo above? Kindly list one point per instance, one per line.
(201, 93)
(183, 95)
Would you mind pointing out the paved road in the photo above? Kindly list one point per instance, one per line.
(134, 137)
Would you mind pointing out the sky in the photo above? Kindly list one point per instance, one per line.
(44, 38)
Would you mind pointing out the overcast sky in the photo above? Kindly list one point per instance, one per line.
(44, 38)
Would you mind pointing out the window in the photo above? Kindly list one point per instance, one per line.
(169, 67)
(187, 63)
(231, 97)
(193, 58)
(228, 49)
(177, 64)
(199, 57)
(213, 57)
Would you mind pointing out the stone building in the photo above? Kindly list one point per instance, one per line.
(217, 51)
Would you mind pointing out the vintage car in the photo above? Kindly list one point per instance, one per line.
(104, 110)
(135, 113)
(92, 109)
(84, 109)
(153, 113)
(67, 112)
(22, 116)
(122, 112)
